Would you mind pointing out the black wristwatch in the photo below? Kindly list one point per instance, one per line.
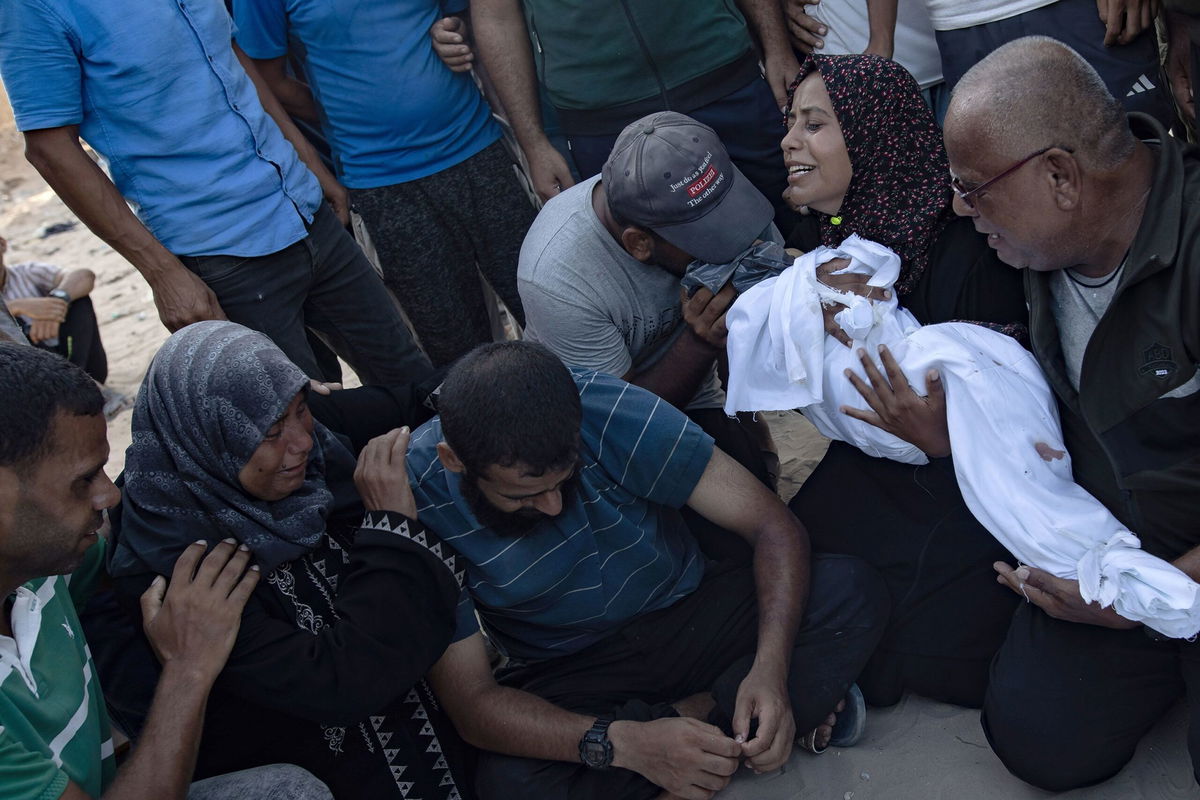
(595, 750)
(61, 294)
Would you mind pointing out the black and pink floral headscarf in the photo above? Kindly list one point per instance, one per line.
(899, 194)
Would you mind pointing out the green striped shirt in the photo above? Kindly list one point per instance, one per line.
(53, 725)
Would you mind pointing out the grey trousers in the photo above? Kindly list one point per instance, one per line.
(272, 782)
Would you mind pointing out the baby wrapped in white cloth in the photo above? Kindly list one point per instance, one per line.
(998, 408)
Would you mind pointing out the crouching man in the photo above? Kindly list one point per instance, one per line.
(634, 666)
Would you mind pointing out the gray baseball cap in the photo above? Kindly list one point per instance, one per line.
(672, 175)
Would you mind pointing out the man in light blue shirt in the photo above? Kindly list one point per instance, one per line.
(229, 218)
(415, 144)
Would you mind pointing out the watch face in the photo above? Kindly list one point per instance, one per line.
(593, 754)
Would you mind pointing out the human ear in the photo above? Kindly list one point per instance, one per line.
(1064, 177)
(637, 243)
(450, 459)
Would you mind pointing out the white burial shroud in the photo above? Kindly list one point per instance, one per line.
(998, 407)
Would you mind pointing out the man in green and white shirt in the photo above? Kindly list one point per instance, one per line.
(55, 740)
(49, 694)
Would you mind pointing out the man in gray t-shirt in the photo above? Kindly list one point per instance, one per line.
(600, 268)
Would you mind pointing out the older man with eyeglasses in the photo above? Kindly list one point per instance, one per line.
(1103, 213)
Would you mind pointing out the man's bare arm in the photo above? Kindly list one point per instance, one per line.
(678, 375)
(731, 497)
(765, 18)
(881, 20)
(675, 753)
(295, 97)
(78, 283)
(163, 762)
(57, 154)
(335, 193)
(191, 625)
(1189, 564)
(498, 718)
(501, 39)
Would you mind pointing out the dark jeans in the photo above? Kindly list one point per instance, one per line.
(750, 126)
(1130, 71)
(79, 340)
(1068, 703)
(703, 643)
(324, 283)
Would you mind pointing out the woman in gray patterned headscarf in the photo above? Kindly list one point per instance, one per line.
(213, 392)
(326, 671)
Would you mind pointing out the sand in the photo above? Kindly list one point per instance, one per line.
(918, 750)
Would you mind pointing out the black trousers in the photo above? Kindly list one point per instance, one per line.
(1068, 703)
(79, 340)
(323, 285)
(949, 616)
(703, 643)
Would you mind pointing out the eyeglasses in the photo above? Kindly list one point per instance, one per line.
(968, 195)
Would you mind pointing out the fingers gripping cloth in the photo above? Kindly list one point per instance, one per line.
(999, 408)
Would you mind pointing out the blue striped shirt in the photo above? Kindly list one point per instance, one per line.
(618, 549)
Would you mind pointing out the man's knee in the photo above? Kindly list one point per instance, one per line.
(1038, 750)
(847, 592)
(293, 783)
(270, 782)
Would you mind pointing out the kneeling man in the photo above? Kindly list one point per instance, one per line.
(1102, 211)
(633, 665)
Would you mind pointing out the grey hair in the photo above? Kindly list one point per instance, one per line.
(1036, 92)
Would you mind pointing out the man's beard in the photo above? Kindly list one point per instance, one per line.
(46, 546)
(505, 523)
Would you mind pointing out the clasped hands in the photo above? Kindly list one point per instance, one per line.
(693, 759)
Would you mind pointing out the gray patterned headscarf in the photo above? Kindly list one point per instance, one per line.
(212, 392)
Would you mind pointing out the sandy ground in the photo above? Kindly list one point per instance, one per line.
(915, 751)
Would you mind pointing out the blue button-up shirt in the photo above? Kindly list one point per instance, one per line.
(156, 89)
